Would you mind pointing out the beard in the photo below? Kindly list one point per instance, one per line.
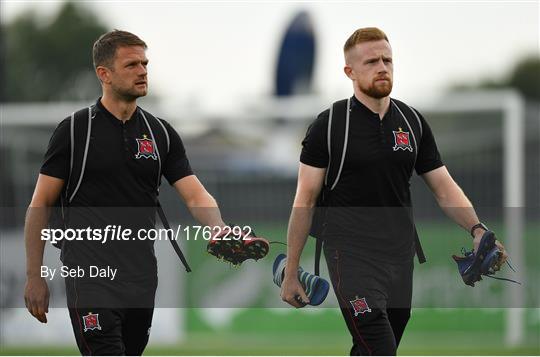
(377, 89)
(129, 94)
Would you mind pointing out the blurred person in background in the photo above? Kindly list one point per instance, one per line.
(112, 316)
(369, 234)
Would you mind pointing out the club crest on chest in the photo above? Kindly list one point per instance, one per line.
(401, 140)
(145, 148)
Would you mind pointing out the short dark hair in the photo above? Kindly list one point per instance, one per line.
(106, 45)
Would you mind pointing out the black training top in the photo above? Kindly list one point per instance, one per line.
(118, 188)
(370, 207)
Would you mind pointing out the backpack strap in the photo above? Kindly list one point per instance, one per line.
(154, 142)
(419, 123)
(318, 250)
(80, 130)
(154, 122)
(161, 213)
(337, 140)
(414, 118)
(418, 248)
(168, 229)
(166, 134)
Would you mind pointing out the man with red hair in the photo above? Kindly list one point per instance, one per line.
(368, 229)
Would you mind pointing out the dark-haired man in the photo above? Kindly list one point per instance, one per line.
(369, 233)
(128, 151)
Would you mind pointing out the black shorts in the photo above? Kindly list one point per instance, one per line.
(104, 326)
(111, 332)
(374, 298)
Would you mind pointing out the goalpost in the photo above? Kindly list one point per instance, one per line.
(511, 105)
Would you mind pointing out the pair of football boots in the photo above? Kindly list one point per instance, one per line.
(236, 248)
(484, 262)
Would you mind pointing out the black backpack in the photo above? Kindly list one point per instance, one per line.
(80, 129)
(338, 135)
